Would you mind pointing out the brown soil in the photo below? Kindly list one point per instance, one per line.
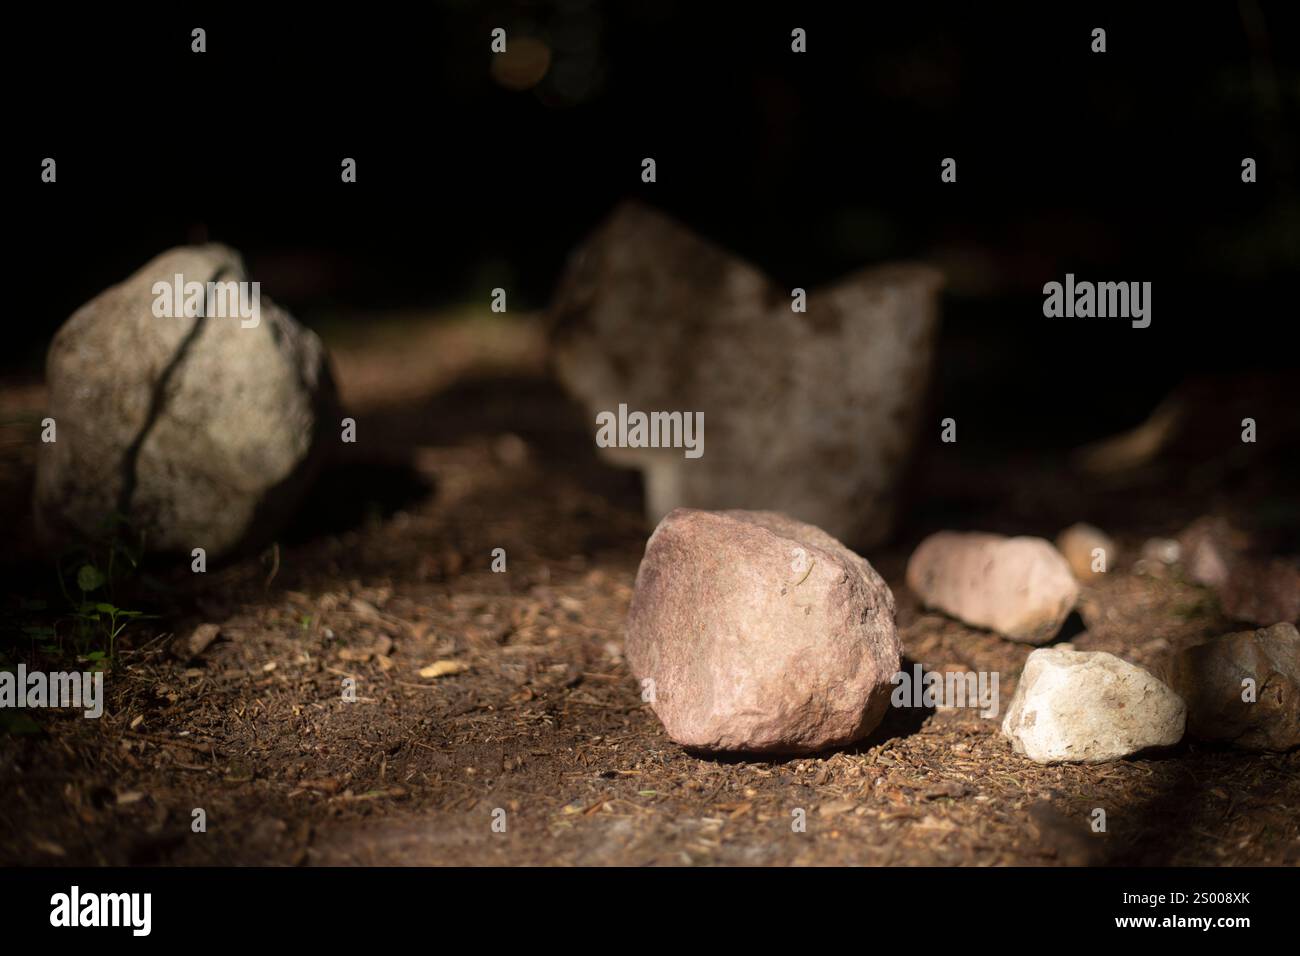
(472, 450)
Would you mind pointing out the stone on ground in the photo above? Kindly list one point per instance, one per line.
(199, 432)
(1089, 707)
(1089, 551)
(761, 634)
(1243, 688)
(1208, 549)
(1020, 587)
(1251, 588)
(810, 413)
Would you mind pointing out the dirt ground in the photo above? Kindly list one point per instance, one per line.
(465, 447)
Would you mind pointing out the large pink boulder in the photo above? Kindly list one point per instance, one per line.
(753, 632)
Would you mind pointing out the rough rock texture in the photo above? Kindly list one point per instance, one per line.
(812, 414)
(200, 432)
(1020, 587)
(1210, 678)
(1077, 544)
(760, 634)
(1089, 707)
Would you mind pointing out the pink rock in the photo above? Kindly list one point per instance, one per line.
(753, 632)
(1020, 587)
(1209, 548)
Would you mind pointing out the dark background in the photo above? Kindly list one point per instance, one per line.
(1122, 166)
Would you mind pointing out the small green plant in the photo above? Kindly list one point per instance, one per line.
(111, 621)
(99, 569)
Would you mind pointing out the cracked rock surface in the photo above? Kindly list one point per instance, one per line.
(199, 431)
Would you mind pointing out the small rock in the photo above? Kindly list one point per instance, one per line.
(1020, 587)
(1212, 678)
(1209, 547)
(1162, 550)
(364, 609)
(1089, 707)
(759, 633)
(1089, 551)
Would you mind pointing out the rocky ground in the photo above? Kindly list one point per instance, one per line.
(385, 580)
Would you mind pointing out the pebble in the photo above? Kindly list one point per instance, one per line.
(1089, 551)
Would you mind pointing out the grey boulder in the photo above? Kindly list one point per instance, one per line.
(812, 413)
(200, 431)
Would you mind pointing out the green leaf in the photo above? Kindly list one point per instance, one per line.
(95, 656)
(89, 578)
(105, 609)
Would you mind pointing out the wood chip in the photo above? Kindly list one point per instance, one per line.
(198, 641)
(444, 668)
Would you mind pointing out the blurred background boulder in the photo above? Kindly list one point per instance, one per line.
(811, 413)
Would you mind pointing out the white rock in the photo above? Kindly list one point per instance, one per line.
(1020, 587)
(1089, 707)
